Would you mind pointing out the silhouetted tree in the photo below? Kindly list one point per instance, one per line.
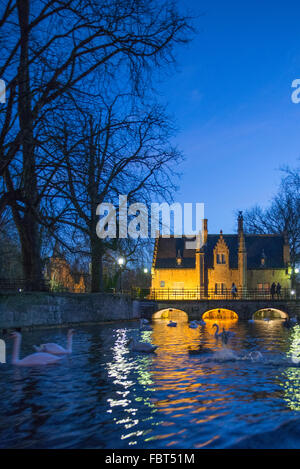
(55, 53)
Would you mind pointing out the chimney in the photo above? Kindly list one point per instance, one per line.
(242, 255)
(240, 222)
(204, 230)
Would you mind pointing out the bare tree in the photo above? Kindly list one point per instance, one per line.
(283, 214)
(55, 52)
(121, 150)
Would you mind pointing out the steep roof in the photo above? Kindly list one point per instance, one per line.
(271, 245)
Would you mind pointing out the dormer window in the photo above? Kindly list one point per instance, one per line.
(221, 259)
(221, 252)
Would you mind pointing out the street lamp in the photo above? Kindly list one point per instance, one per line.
(145, 270)
(296, 271)
(121, 262)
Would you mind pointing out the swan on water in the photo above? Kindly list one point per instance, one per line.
(39, 358)
(172, 324)
(145, 326)
(224, 335)
(136, 346)
(56, 349)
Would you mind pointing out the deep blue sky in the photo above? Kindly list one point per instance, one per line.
(231, 96)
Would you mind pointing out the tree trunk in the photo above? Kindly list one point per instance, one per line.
(29, 230)
(31, 260)
(96, 265)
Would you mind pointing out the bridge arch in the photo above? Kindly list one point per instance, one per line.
(220, 313)
(171, 313)
(270, 313)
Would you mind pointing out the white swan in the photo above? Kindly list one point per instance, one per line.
(34, 359)
(217, 334)
(172, 324)
(56, 349)
(224, 335)
(136, 346)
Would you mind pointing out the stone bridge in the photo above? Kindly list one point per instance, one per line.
(245, 309)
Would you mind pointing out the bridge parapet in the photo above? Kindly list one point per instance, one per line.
(195, 309)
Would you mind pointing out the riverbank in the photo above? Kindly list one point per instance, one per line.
(44, 310)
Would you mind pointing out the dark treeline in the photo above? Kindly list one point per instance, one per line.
(282, 215)
(81, 123)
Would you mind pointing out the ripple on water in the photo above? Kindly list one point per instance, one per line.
(193, 393)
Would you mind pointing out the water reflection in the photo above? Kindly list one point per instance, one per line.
(193, 393)
(290, 380)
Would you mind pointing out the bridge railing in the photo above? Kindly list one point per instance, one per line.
(22, 284)
(210, 294)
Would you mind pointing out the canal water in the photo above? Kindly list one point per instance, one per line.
(193, 393)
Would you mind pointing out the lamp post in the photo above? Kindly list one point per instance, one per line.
(121, 262)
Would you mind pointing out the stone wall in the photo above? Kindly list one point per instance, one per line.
(28, 310)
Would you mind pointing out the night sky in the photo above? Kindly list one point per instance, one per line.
(231, 96)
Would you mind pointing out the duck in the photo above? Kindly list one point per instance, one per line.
(35, 359)
(56, 349)
(172, 324)
(144, 347)
(201, 323)
(193, 325)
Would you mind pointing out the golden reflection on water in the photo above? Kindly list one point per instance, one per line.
(176, 382)
(177, 376)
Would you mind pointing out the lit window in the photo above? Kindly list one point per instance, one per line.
(223, 259)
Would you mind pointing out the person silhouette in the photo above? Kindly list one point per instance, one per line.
(278, 290)
(273, 290)
(233, 290)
